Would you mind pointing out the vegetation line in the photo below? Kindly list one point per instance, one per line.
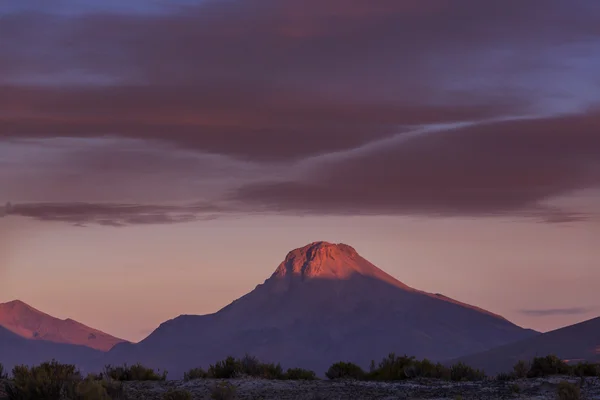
(55, 381)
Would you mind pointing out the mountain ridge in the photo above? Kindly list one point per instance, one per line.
(577, 342)
(30, 323)
(17, 350)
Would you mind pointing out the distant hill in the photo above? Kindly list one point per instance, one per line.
(324, 303)
(579, 342)
(16, 350)
(29, 323)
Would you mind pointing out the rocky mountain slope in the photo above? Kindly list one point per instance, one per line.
(324, 303)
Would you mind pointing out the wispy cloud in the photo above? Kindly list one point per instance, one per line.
(498, 168)
(115, 215)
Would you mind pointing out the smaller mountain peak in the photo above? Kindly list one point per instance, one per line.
(17, 304)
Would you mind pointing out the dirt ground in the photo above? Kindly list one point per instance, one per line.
(253, 389)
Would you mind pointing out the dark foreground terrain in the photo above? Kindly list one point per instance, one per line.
(258, 389)
(254, 389)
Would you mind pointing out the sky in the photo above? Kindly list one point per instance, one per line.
(161, 158)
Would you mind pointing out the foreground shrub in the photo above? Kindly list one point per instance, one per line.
(586, 369)
(568, 391)
(427, 369)
(300, 374)
(226, 369)
(177, 394)
(252, 366)
(249, 366)
(345, 370)
(2, 373)
(223, 391)
(392, 368)
(48, 381)
(92, 390)
(135, 372)
(462, 372)
(195, 373)
(521, 369)
(546, 366)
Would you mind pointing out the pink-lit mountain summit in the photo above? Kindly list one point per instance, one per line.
(323, 260)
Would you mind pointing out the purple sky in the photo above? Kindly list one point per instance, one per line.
(183, 147)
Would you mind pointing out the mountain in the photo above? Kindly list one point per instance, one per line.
(579, 342)
(324, 303)
(29, 323)
(16, 350)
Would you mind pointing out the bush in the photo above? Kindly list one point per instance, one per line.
(392, 368)
(226, 369)
(136, 372)
(300, 374)
(223, 391)
(177, 394)
(48, 381)
(462, 372)
(92, 390)
(2, 373)
(549, 365)
(266, 371)
(427, 369)
(195, 373)
(94, 377)
(568, 391)
(521, 369)
(251, 366)
(586, 369)
(247, 366)
(345, 370)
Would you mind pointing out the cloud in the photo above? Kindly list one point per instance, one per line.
(265, 79)
(117, 170)
(114, 215)
(547, 312)
(244, 122)
(482, 169)
(512, 167)
(313, 106)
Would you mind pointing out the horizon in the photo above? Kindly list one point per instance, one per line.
(161, 158)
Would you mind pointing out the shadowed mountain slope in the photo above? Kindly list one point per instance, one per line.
(324, 303)
(29, 323)
(16, 350)
(579, 342)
